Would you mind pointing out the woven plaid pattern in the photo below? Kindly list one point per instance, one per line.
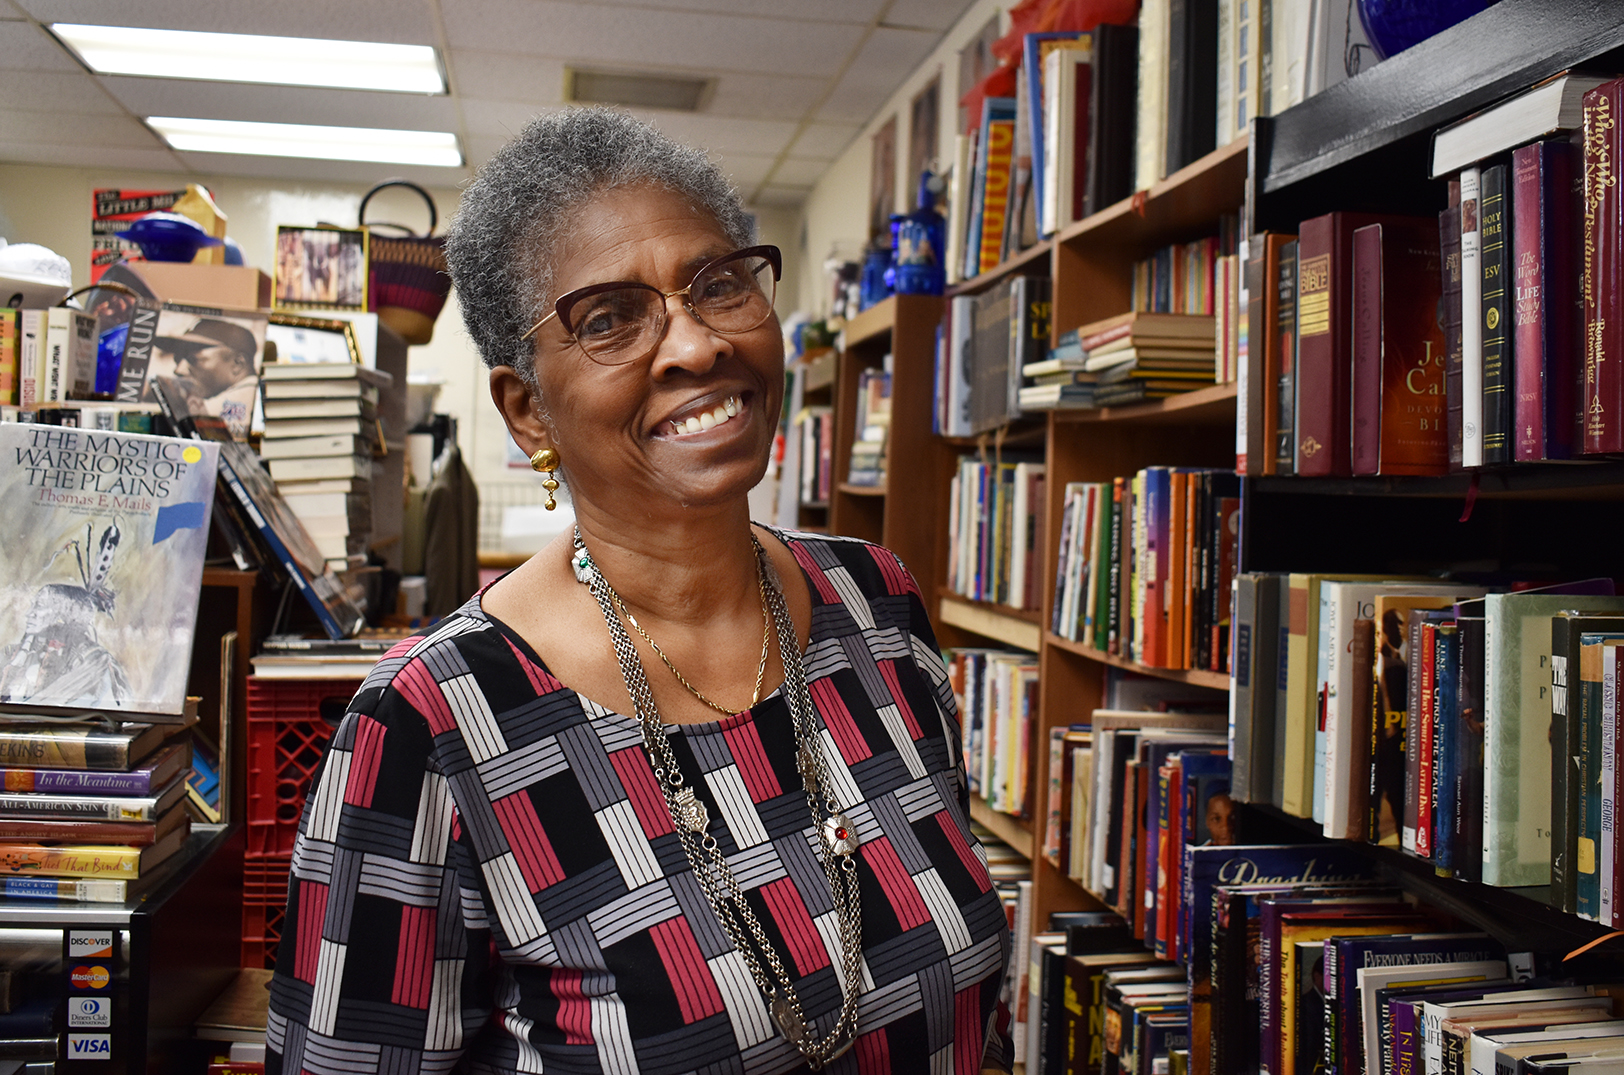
(486, 877)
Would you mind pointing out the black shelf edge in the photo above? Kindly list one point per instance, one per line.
(1492, 55)
(1583, 479)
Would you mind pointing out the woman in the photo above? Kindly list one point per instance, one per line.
(680, 793)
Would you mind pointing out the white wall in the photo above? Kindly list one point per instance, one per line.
(836, 212)
(51, 206)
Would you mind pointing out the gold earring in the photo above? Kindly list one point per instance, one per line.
(545, 459)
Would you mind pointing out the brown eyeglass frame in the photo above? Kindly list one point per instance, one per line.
(560, 310)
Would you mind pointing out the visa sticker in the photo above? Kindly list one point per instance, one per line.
(90, 1046)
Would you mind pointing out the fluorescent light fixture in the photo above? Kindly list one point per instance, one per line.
(284, 61)
(435, 148)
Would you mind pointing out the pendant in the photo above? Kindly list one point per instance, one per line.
(807, 759)
(581, 563)
(789, 1024)
(841, 834)
(688, 812)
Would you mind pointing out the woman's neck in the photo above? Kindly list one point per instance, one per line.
(686, 571)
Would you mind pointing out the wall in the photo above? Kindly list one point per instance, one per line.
(51, 206)
(835, 215)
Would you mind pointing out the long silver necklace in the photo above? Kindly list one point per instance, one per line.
(837, 837)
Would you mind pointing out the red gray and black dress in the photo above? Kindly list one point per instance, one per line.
(486, 878)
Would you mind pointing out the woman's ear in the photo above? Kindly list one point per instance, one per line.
(517, 405)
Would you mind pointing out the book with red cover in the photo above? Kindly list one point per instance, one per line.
(1325, 342)
(1546, 309)
(1400, 422)
(1603, 398)
(1423, 734)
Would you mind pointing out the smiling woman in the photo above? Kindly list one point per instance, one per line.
(681, 793)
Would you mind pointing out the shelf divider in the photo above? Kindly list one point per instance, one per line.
(1001, 825)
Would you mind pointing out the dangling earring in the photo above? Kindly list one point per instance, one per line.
(546, 460)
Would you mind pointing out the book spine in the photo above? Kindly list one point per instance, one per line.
(31, 333)
(1587, 882)
(46, 749)
(1241, 677)
(1612, 672)
(1288, 340)
(1444, 720)
(1564, 788)
(1449, 320)
(1323, 343)
(1471, 322)
(1409, 823)
(1367, 349)
(1607, 792)
(1496, 248)
(103, 783)
(10, 345)
(1469, 638)
(1528, 310)
(1559, 295)
(1603, 398)
(85, 861)
(1424, 730)
(37, 804)
(995, 201)
(49, 888)
(31, 830)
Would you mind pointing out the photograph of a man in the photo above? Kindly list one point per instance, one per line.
(215, 364)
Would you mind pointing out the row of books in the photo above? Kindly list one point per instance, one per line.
(815, 425)
(982, 346)
(1426, 715)
(1121, 360)
(91, 808)
(86, 414)
(1389, 344)
(1145, 565)
(995, 531)
(1183, 278)
(996, 692)
(321, 423)
(873, 428)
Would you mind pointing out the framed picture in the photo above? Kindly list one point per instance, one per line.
(882, 183)
(320, 268)
(212, 357)
(313, 339)
(923, 122)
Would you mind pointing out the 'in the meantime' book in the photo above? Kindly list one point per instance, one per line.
(104, 539)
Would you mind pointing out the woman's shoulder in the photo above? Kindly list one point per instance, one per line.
(864, 560)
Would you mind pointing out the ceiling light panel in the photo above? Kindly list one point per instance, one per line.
(288, 61)
(434, 148)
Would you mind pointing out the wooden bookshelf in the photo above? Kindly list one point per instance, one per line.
(1006, 827)
(1012, 627)
(1029, 258)
(1197, 676)
(848, 489)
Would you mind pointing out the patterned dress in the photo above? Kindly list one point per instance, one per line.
(486, 878)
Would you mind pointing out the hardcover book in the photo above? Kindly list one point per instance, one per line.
(1495, 313)
(1449, 315)
(1547, 313)
(103, 568)
(1603, 392)
(1567, 740)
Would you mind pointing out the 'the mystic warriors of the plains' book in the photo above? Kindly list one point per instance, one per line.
(105, 536)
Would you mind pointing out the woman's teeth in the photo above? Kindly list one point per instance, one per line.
(708, 419)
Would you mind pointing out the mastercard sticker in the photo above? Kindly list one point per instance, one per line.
(89, 976)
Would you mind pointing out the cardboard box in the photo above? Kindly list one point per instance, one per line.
(237, 286)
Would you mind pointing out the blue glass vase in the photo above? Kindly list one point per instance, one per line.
(1395, 25)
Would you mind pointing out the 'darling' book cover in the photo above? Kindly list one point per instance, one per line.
(104, 536)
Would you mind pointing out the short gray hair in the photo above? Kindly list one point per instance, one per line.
(523, 201)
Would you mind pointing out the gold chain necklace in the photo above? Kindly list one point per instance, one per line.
(761, 666)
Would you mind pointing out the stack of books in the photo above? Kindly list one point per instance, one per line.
(872, 425)
(1059, 380)
(89, 810)
(321, 423)
(1143, 355)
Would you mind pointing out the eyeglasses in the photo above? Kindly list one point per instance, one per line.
(618, 323)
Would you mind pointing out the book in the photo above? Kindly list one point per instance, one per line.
(276, 372)
(90, 831)
(1547, 310)
(145, 780)
(69, 355)
(1399, 424)
(316, 468)
(1567, 736)
(278, 409)
(1287, 352)
(1543, 109)
(88, 860)
(1060, 156)
(1471, 321)
(1255, 649)
(308, 447)
(114, 807)
(1112, 106)
(103, 568)
(301, 428)
(1517, 749)
(1449, 317)
(1494, 219)
(353, 388)
(98, 890)
(1602, 396)
(1192, 80)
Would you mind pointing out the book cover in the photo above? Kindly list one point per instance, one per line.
(1113, 90)
(82, 806)
(1592, 821)
(112, 861)
(1400, 423)
(1468, 835)
(1471, 320)
(153, 775)
(1321, 440)
(1446, 746)
(1517, 749)
(994, 201)
(103, 567)
(1192, 81)
(1393, 667)
(10, 351)
(1603, 388)
(100, 890)
(213, 357)
(1495, 221)
(1546, 309)
(1567, 744)
(1288, 350)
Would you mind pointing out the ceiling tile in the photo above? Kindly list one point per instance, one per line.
(860, 11)
(282, 104)
(886, 59)
(481, 146)
(765, 96)
(116, 132)
(723, 134)
(825, 140)
(937, 15)
(25, 47)
(55, 91)
(776, 197)
(403, 21)
(638, 37)
(795, 171)
(78, 154)
(506, 76)
(744, 170)
(502, 119)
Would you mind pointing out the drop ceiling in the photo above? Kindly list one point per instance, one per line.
(795, 80)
